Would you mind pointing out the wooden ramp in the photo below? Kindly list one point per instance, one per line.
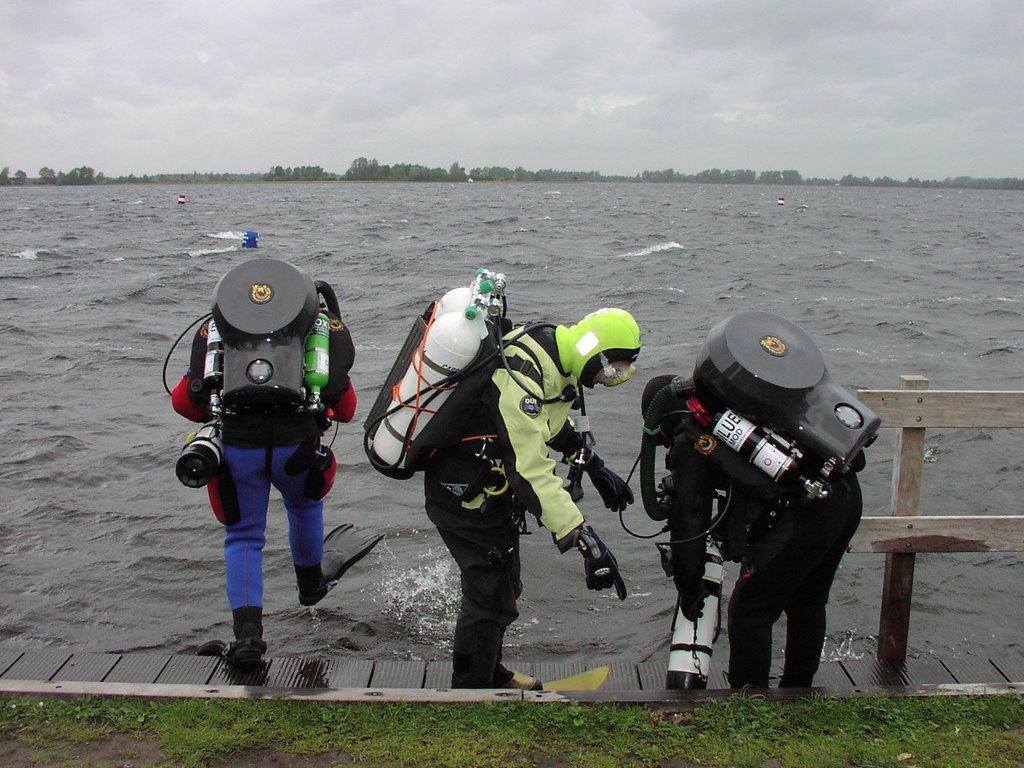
(159, 675)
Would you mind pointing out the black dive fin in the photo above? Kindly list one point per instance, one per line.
(345, 546)
(212, 648)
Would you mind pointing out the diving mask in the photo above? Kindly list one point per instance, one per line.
(613, 373)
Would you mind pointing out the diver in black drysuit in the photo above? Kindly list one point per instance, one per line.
(789, 545)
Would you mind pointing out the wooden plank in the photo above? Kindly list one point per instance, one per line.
(351, 673)
(946, 408)
(894, 614)
(973, 669)
(438, 675)
(37, 665)
(832, 675)
(906, 479)
(138, 668)
(87, 667)
(398, 674)
(349, 695)
(940, 533)
(225, 674)
(926, 671)
(898, 579)
(1012, 667)
(7, 658)
(652, 675)
(871, 673)
(188, 670)
(299, 672)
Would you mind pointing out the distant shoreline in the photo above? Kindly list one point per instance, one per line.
(363, 170)
(979, 184)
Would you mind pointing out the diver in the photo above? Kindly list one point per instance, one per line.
(269, 372)
(486, 462)
(763, 454)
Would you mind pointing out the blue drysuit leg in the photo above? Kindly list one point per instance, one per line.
(254, 470)
(244, 541)
(305, 515)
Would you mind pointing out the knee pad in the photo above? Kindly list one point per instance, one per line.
(224, 496)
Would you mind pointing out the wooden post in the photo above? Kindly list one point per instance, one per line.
(898, 581)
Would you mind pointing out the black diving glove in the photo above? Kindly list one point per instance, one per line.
(599, 563)
(615, 494)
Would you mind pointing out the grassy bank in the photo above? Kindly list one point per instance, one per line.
(738, 731)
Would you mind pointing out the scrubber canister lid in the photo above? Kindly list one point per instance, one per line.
(766, 368)
(264, 296)
(755, 356)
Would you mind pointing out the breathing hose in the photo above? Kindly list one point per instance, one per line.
(655, 509)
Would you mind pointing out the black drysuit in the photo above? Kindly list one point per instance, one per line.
(789, 547)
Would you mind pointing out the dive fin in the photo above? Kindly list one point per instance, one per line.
(345, 546)
(212, 648)
(590, 680)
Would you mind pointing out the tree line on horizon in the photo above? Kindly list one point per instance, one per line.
(363, 169)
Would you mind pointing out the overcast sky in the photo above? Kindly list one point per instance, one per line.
(924, 88)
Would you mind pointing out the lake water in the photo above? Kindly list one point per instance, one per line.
(101, 549)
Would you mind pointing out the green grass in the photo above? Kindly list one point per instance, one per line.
(742, 730)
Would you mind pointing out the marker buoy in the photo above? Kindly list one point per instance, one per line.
(181, 199)
(782, 201)
(250, 239)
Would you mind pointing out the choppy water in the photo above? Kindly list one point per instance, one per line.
(101, 549)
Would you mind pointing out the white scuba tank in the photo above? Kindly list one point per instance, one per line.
(450, 343)
(689, 660)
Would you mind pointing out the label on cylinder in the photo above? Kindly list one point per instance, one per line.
(770, 459)
(733, 429)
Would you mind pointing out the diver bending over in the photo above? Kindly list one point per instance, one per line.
(784, 509)
(487, 464)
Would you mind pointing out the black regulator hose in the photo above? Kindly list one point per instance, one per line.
(177, 341)
(330, 297)
(655, 509)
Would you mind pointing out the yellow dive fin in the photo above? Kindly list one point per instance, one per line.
(590, 680)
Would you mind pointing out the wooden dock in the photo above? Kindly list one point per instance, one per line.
(900, 536)
(162, 675)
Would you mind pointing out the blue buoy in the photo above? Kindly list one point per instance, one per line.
(250, 239)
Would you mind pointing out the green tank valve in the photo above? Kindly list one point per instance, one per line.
(472, 311)
(486, 286)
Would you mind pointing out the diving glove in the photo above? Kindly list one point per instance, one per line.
(600, 565)
(615, 493)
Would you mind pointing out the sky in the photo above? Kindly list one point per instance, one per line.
(903, 88)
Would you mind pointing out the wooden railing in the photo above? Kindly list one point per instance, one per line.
(905, 532)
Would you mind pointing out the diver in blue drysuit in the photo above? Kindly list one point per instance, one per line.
(264, 447)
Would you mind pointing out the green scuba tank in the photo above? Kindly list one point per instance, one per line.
(316, 363)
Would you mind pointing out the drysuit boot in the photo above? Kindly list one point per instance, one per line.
(511, 678)
(248, 649)
(310, 579)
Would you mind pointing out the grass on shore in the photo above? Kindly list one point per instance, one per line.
(742, 730)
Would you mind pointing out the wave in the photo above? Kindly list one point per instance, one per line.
(207, 251)
(659, 248)
(33, 254)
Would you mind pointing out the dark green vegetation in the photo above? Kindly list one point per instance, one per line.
(741, 730)
(362, 169)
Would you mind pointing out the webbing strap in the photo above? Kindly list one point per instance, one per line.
(692, 647)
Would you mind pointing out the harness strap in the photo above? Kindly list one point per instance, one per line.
(533, 372)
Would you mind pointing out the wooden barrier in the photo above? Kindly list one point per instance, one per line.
(901, 535)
